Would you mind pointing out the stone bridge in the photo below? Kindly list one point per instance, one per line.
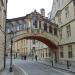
(34, 26)
(38, 34)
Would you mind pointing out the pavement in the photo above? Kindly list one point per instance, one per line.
(6, 71)
(15, 69)
(59, 66)
(36, 68)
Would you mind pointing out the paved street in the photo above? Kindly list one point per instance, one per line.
(36, 68)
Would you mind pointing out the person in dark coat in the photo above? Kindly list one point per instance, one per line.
(24, 57)
(36, 57)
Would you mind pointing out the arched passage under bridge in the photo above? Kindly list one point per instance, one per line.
(53, 47)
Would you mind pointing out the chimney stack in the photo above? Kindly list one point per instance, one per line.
(42, 11)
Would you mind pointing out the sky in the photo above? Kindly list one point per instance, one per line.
(18, 8)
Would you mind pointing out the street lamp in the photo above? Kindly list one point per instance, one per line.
(11, 33)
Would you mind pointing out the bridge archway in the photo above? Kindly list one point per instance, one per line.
(46, 41)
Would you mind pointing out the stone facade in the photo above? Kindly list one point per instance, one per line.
(63, 14)
(2, 29)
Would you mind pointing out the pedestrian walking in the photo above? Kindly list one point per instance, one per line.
(36, 57)
(24, 57)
